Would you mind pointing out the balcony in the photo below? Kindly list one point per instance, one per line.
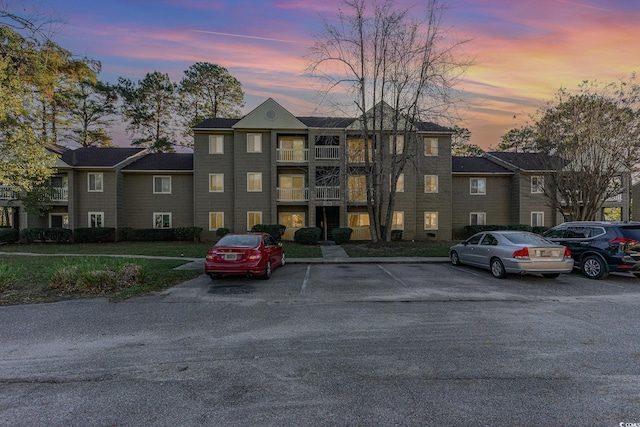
(327, 152)
(60, 194)
(8, 192)
(327, 193)
(293, 194)
(292, 155)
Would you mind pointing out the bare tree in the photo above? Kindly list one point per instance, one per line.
(397, 72)
(593, 135)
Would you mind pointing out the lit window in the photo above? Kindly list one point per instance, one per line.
(216, 220)
(431, 220)
(357, 185)
(254, 143)
(431, 183)
(95, 182)
(253, 218)
(161, 220)
(254, 181)
(431, 146)
(478, 186)
(161, 185)
(216, 182)
(399, 183)
(216, 144)
(96, 219)
(397, 223)
(477, 218)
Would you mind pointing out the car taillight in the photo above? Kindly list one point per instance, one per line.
(521, 253)
(254, 256)
(623, 240)
(567, 253)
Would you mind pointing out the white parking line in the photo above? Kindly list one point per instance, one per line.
(397, 279)
(466, 270)
(306, 279)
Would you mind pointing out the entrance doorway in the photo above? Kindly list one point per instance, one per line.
(327, 219)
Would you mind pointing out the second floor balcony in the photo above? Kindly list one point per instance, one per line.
(292, 155)
(327, 152)
(293, 194)
(8, 192)
(60, 194)
(328, 193)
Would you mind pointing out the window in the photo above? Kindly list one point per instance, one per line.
(216, 220)
(399, 144)
(216, 144)
(291, 187)
(96, 219)
(431, 220)
(254, 181)
(293, 221)
(356, 150)
(161, 220)
(216, 182)
(431, 146)
(478, 218)
(537, 185)
(478, 186)
(292, 149)
(431, 183)
(95, 181)
(537, 219)
(253, 218)
(399, 183)
(161, 185)
(397, 223)
(254, 143)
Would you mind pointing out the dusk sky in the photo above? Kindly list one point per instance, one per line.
(524, 50)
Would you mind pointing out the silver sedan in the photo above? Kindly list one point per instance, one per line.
(519, 252)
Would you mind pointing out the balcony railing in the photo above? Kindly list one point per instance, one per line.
(293, 194)
(327, 152)
(360, 233)
(8, 192)
(615, 199)
(327, 193)
(60, 194)
(293, 155)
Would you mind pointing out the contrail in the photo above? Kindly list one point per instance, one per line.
(587, 6)
(244, 36)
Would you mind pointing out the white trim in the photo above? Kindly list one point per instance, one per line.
(253, 213)
(257, 141)
(478, 193)
(541, 213)
(484, 216)
(154, 184)
(210, 187)
(96, 174)
(97, 214)
(155, 214)
(437, 184)
(217, 142)
(258, 174)
(424, 218)
(216, 213)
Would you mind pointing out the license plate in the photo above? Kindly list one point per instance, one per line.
(230, 257)
(545, 253)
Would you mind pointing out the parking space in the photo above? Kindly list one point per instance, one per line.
(403, 282)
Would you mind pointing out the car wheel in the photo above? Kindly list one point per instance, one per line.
(283, 261)
(267, 271)
(497, 268)
(550, 275)
(455, 259)
(594, 268)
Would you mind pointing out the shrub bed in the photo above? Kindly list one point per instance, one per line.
(307, 235)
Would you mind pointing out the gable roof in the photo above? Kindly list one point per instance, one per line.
(269, 115)
(181, 162)
(217, 123)
(99, 156)
(479, 165)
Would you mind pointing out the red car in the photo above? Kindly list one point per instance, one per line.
(249, 254)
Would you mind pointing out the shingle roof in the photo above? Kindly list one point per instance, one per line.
(98, 156)
(326, 122)
(476, 165)
(218, 123)
(527, 161)
(163, 162)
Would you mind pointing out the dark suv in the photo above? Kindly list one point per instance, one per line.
(600, 248)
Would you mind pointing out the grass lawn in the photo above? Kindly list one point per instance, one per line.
(27, 279)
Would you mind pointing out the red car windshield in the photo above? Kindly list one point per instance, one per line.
(239, 240)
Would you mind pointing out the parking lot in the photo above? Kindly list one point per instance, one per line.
(332, 344)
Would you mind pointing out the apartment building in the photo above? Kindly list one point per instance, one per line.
(273, 167)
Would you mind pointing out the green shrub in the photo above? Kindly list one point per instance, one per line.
(341, 235)
(473, 229)
(275, 230)
(153, 234)
(307, 235)
(124, 234)
(190, 234)
(539, 230)
(396, 235)
(32, 234)
(9, 235)
(94, 235)
(220, 232)
(37, 234)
